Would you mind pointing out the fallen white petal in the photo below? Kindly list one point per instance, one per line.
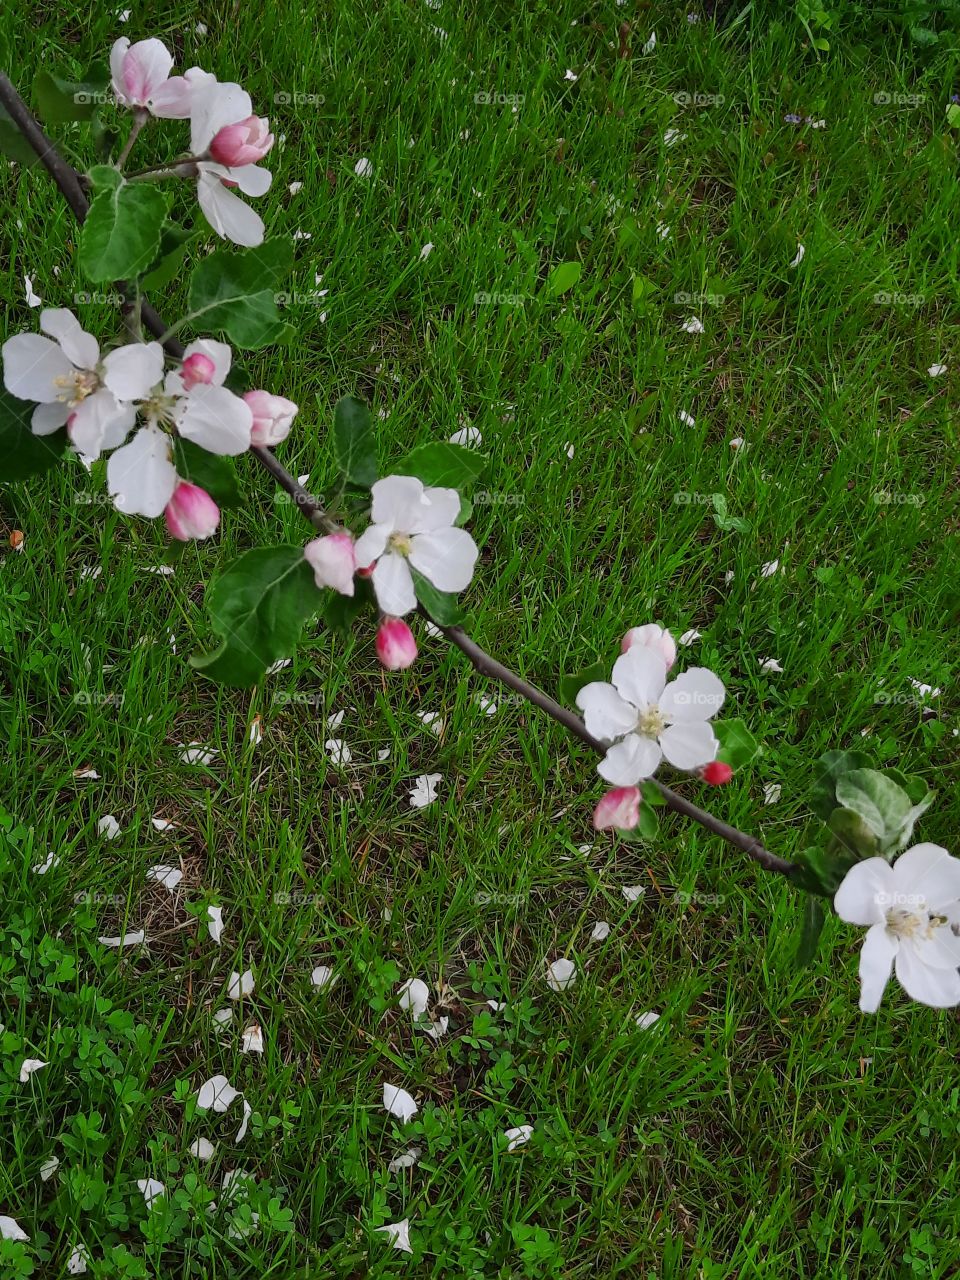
(216, 1094)
(404, 1161)
(49, 862)
(646, 1020)
(162, 824)
(108, 827)
(132, 939)
(772, 792)
(770, 664)
(29, 1066)
(633, 892)
(202, 1148)
(247, 1113)
(33, 299)
(561, 974)
(468, 436)
(415, 996)
(518, 1136)
(425, 790)
(399, 1233)
(215, 923)
(10, 1229)
(431, 720)
(363, 168)
(49, 1168)
(801, 250)
(398, 1102)
(323, 976)
(687, 419)
(601, 930)
(240, 984)
(169, 877)
(426, 251)
(77, 1262)
(152, 1190)
(338, 751)
(196, 753)
(252, 1041)
(936, 370)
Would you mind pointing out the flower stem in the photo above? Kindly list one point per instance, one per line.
(67, 180)
(139, 120)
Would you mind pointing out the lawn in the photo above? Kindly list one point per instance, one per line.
(780, 485)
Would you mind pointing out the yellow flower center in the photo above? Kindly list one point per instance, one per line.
(76, 386)
(401, 543)
(650, 722)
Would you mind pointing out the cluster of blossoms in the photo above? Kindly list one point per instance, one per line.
(99, 397)
(412, 530)
(227, 140)
(643, 720)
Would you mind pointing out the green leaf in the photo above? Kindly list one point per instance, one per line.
(832, 766)
(884, 806)
(121, 233)
(561, 278)
(738, 746)
(171, 255)
(953, 115)
(723, 520)
(642, 289)
(441, 606)
(355, 441)
(62, 101)
(258, 607)
(236, 294)
(340, 612)
(12, 142)
(216, 474)
(849, 834)
(23, 453)
(821, 871)
(652, 794)
(449, 466)
(647, 828)
(571, 685)
(814, 918)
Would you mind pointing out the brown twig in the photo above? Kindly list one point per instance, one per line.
(68, 180)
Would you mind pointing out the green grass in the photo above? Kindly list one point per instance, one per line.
(763, 1127)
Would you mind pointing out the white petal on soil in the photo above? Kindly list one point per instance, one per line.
(108, 827)
(151, 1189)
(48, 864)
(247, 1113)
(338, 751)
(431, 720)
(633, 892)
(601, 930)
(169, 877)
(133, 939)
(29, 1066)
(215, 923)
(323, 976)
(49, 1168)
(406, 1160)
(425, 790)
(399, 1234)
(415, 996)
(772, 792)
(518, 1136)
(162, 824)
(196, 753)
(202, 1148)
(646, 1020)
(252, 1041)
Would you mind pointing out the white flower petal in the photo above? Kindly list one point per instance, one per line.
(29, 1066)
(240, 984)
(32, 366)
(99, 422)
(639, 676)
(519, 1136)
(415, 996)
(169, 877)
(396, 501)
(696, 695)
(10, 1229)
(141, 476)
(151, 1190)
(688, 746)
(49, 1168)
(425, 790)
(876, 960)
(399, 1103)
(216, 1094)
(48, 418)
(231, 218)
(393, 586)
(404, 1161)
(438, 509)
(628, 761)
(215, 923)
(929, 870)
(399, 1233)
(247, 1113)
(323, 977)
(78, 346)
(202, 1148)
(600, 931)
(252, 1039)
(446, 558)
(646, 1020)
(131, 372)
(133, 939)
(561, 974)
(864, 891)
(217, 420)
(606, 715)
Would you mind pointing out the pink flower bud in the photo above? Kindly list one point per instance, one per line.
(717, 773)
(367, 570)
(619, 808)
(652, 637)
(191, 513)
(246, 142)
(396, 647)
(332, 560)
(272, 417)
(196, 369)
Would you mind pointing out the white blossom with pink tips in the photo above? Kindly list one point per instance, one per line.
(201, 407)
(413, 528)
(142, 80)
(74, 385)
(222, 123)
(646, 720)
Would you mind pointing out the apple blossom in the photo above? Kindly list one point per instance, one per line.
(141, 78)
(333, 562)
(245, 142)
(652, 637)
(396, 647)
(272, 417)
(213, 107)
(74, 386)
(648, 720)
(191, 513)
(141, 477)
(414, 527)
(909, 909)
(195, 400)
(619, 808)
